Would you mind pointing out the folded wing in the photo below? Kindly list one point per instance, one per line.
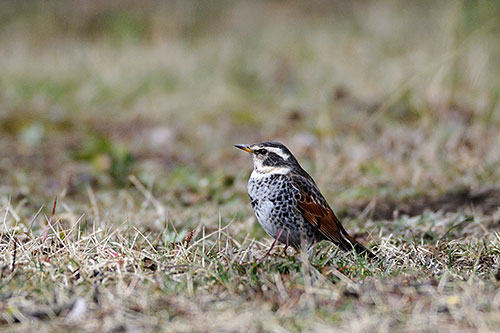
(316, 211)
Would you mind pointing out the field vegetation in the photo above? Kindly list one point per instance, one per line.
(123, 202)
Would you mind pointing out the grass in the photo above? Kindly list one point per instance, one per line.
(127, 113)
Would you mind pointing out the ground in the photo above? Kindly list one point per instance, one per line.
(123, 201)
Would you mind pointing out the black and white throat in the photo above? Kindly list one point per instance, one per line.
(261, 169)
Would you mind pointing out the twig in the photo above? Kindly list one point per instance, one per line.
(46, 233)
(14, 256)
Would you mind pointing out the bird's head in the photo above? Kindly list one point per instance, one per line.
(270, 157)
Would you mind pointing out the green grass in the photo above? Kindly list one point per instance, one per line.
(127, 112)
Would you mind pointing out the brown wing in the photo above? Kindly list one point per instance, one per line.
(316, 210)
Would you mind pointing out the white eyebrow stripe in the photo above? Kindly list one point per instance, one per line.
(278, 152)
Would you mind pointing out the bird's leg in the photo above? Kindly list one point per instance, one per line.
(286, 245)
(274, 243)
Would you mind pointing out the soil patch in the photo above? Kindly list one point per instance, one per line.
(486, 201)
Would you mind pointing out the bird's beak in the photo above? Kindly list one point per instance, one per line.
(245, 148)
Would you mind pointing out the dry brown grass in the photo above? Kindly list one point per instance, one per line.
(128, 112)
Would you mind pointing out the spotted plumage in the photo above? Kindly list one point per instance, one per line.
(287, 202)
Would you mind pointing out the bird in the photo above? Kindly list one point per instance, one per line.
(289, 205)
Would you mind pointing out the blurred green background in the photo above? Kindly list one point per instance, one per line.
(127, 111)
(384, 98)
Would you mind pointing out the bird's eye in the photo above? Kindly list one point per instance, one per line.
(261, 151)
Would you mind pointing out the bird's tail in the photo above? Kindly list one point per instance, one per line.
(348, 243)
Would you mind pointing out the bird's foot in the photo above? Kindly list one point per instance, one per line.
(273, 244)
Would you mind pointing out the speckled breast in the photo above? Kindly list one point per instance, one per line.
(274, 200)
